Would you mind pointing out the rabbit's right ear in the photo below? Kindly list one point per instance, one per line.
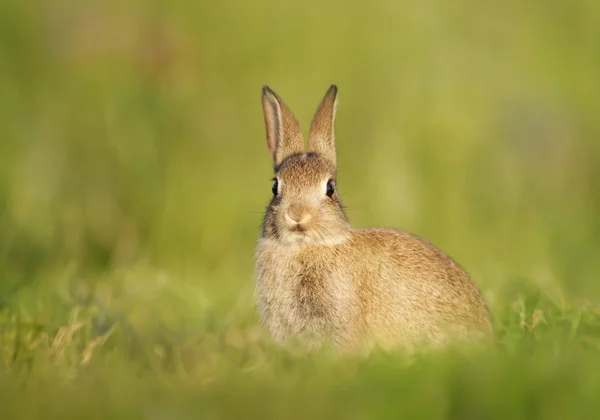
(284, 137)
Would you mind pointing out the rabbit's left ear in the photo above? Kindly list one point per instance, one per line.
(322, 132)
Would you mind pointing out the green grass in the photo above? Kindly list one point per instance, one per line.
(220, 364)
(134, 175)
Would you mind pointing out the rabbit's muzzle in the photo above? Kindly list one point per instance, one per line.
(298, 217)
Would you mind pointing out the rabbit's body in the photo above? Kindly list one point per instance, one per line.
(319, 281)
(380, 285)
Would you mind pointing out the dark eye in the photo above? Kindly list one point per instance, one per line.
(274, 187)
(330, 188)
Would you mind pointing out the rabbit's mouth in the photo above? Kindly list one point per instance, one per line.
(298, 229)
(298, 235)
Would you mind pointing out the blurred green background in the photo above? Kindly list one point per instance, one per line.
(134, 171)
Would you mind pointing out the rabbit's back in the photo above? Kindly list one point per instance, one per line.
(412, 290)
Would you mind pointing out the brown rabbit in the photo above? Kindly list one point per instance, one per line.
(320, 281)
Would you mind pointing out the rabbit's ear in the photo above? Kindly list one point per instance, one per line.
(322, 133)
(284, 137)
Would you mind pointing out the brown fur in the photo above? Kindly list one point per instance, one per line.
(319, 281)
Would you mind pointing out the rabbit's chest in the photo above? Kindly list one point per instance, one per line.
(297, 298)
(302, 295)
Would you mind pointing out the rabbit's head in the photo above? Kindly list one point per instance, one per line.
(305, 207)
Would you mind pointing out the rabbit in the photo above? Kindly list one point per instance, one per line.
(319, 282)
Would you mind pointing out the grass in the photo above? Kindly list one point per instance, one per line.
(214, 364)
(134, 175)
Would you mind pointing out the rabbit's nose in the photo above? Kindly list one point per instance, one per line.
(297, 215)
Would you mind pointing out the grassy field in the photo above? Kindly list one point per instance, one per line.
(134, 174)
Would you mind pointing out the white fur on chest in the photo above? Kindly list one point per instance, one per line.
(298, 296)
(288, 303)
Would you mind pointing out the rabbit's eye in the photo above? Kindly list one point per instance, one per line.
(330, 188)
(274, 187)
